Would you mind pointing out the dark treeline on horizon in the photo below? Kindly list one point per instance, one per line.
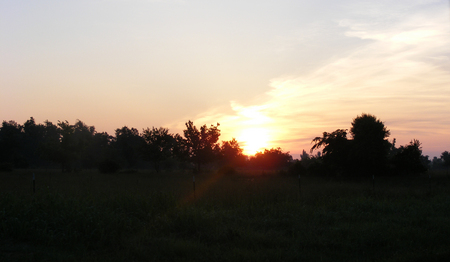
(79, 146)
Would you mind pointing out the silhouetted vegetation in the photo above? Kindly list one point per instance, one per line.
(336, 150)
(79, 146)
(370, 147)
(368, 152)
(271, 159)
(231, 154)
(202, 145)
(158, 146)
(409, 159)
(445, 159)
(362, 151)
(129, 145)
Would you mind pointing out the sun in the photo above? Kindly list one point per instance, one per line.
(254, 140)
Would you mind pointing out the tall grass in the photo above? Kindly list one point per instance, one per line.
(147, 216)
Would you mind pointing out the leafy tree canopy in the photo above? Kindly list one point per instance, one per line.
(231, 153)
(202, 143)
(158, 145)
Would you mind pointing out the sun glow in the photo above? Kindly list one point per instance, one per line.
(254, 140)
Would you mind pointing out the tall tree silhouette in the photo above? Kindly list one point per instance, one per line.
(202, 144)
(68, 148)
(101, 153)
(11, 139)
(83, 138)
(129, 143)
(180, 149)
(370, 145)
(50, 147)
(445, 156)
(33, 135)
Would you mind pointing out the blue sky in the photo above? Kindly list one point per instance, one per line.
(283, 70)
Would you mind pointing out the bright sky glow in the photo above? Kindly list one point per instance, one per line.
(254, 140)
(285, 70)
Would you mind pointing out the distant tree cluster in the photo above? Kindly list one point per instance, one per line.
(443, 162)
(271, 159)
(367, 152)
(79, 146)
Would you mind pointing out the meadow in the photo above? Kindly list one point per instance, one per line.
(248, 216)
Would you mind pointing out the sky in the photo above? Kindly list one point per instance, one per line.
(272, 73)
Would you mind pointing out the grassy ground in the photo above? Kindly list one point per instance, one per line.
(145, 216)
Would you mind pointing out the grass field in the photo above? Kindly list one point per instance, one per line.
(145, 216)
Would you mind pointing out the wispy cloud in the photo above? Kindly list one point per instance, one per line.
(402, 75)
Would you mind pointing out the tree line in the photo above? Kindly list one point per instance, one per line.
(73, 147)
(364, 149)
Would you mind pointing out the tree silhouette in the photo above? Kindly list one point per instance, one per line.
(70, 150)
(336, 149)
(370, 146)
(409, 159)
(83, 138)
(50, 147)
(445, 156)
(231, 153)
(158, 145)
(180, 149)
(129, 144)
(11, 139)
(202, 144)
(273, 158)
(102, 154)
(32, 138)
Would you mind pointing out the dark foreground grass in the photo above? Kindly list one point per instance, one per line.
(156, 217)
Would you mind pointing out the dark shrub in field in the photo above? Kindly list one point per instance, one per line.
(108, 166)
